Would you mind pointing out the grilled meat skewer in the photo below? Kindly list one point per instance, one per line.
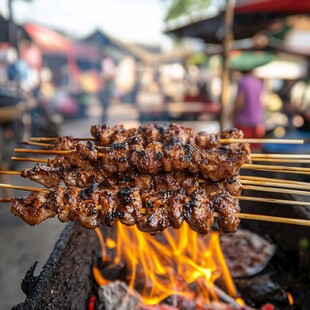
(86, 163)
(152, 211)
(105, 135)
(52, 177)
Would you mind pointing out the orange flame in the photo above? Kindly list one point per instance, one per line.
(169, 263)
(290, 298)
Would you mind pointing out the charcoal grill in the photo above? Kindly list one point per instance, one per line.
(66, 279)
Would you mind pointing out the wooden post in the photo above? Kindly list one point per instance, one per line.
(226, 45)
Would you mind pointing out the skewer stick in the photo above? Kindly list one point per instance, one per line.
(279, 141)
(56, 138)
(275, 190)
(25, 188)
(272, 200)
(37, 160)
(7, 199)
(47, 152)
(274, 219)
(262, 155)
(282, 160)
(285, 169)
(37, 144)
(50, 152)
(282, 185)
(248, 177)
(10, 172)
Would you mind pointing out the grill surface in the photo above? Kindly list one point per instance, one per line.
(66, 278)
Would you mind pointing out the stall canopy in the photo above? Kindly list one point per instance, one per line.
(48, 40)
(251, 16)
(249, 60)
(107, 43)
(52, 43)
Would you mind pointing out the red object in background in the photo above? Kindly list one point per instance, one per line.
(48, 40)
(280, 6)
(268, 307)
(32, 55)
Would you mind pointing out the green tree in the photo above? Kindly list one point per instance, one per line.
(178, 8)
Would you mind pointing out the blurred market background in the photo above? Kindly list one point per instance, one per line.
(65, 65)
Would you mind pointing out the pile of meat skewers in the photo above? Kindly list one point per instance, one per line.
(151, 176)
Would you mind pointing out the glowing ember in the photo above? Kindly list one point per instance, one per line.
(290, 298)
(175, 262)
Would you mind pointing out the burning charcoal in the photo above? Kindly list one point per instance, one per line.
(259, 290)
(246, 253)
(114, 296)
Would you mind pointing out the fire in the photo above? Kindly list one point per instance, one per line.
(290, 298)
(175, 262)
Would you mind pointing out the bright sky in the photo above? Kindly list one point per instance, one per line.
(128, 20)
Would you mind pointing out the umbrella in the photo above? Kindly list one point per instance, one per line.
(248, 60)
(251, 16)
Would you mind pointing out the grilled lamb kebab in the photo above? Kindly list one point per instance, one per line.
(52, 177)
(152, 211)
(88, 165)
(105, 135)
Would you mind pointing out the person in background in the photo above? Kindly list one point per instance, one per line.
(248, 113)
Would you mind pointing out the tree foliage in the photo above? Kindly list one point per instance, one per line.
(178, 8)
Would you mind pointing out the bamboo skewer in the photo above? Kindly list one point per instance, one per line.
(264, 179)
(276, 168)
(7, 199)
(274, 190)
(56, 138)
(279, 141)
(25, 188)
(37, 144)
(282, 160)
(274, 219)
(272, 168)
(273, 200)
(34, 151)
(38, 160)
(10, 172)
(296, 156)
(281, 185)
